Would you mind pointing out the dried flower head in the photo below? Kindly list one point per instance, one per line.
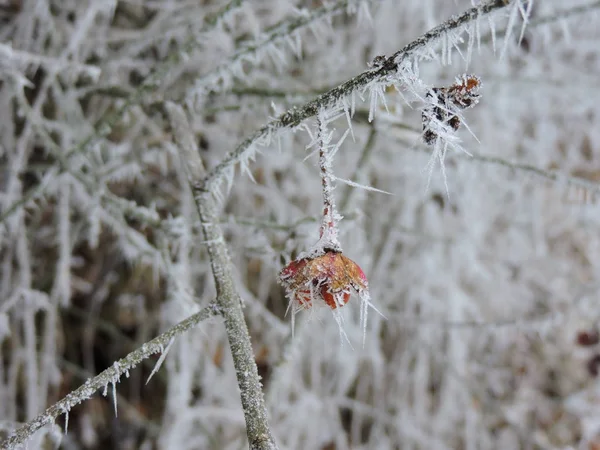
(445, 103)
(328, 279)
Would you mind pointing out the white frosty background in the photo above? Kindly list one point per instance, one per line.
(487, 284)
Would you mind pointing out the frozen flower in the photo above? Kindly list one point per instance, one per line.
(328, 279)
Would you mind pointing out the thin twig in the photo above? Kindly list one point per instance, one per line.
(228, 299)
(110, 375)
(554, 176)
(269, 93)
(134, 414)
(550, 175)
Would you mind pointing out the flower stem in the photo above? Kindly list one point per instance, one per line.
(328, 231)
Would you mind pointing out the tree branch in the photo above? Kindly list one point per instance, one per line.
(388, 67)
(110, 375)
(228, 299)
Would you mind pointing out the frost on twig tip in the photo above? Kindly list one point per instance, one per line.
(362, 186)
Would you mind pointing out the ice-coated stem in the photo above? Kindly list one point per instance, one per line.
(328, 223)
(111, 374)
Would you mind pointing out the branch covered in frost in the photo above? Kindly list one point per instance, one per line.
(228, 299)
(108, 121)
(285, 30)
(124, 206)
(109, 376)
(388, 67)
(212, 81)
(558, 16)
(591, 188)
(551, 175)
(13, 59)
